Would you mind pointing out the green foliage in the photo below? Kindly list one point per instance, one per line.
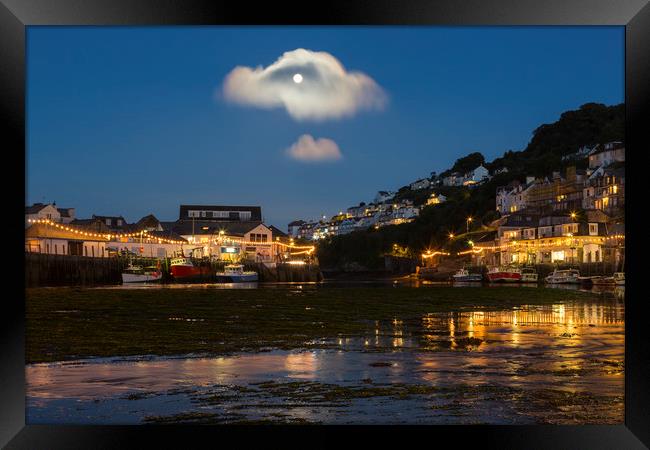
(465, 164)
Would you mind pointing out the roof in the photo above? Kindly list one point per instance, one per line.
(235, 228)
(148, 221)
(35, 208)
(167, 235)
(277, 232)
(65, 212)
(256, 211)
(40, 230)
(95, 224)
(297, 223)
(521, 220)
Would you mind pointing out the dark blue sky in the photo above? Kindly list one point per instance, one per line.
(129, 120)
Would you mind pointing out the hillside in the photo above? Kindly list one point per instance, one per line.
(592, 123)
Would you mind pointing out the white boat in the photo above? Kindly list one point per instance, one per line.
(138, 274)
(464, 275)
(528, 275)
(567, 276)
(619, 278)
(234, 273)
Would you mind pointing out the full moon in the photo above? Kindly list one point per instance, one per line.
(297, 78)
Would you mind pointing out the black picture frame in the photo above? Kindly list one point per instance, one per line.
(15, 15)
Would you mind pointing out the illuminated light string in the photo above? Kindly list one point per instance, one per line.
(107, 236)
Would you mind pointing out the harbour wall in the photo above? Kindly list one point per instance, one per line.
(45, 270)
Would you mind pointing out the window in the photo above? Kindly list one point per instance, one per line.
(233, 215)
(193, 214)
(593, 229)
(119, 222)
(108, 222)
(263, 237)
(202, 213)
(56, 249)
(85, 250)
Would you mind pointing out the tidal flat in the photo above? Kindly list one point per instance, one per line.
(304, 354)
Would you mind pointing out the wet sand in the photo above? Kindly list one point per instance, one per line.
(560, 364)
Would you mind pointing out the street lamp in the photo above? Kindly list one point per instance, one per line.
(469, 219)
(451, 235)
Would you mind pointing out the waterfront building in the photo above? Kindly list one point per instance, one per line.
(605, 191)
(64, 240)
(528, 239)
(221, 213)
(228, 240)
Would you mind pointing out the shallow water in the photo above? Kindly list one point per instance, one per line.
(558, 363)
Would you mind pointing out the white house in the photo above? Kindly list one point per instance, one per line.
(455, 179)
(476, 176)
(41, 211)
(294, 227)
(420, 184)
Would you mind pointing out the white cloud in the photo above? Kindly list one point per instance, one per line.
(326, 91)
(309, 150)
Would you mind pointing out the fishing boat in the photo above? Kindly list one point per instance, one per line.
(619, 278)
(566, 276)
(184, 269)
(139, 274)
(528, 275)
(235, 273)
(464, 275)
(504, 274)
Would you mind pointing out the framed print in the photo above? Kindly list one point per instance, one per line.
(246, 221)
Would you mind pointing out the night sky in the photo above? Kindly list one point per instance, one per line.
(131, 121)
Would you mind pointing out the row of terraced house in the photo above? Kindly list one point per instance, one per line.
(575, 217)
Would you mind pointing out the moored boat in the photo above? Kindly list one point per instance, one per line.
(504, 274)
(566, 276)
(184, 269)
(529, 275)
(603, 281)
(138, 274)
(464, 275)
(235, 273)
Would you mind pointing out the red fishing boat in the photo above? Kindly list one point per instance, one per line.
(183, 269)
(504, 274)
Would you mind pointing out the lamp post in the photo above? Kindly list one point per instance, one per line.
(469, 219)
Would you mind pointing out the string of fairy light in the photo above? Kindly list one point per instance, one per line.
(144, 234)
(108, 236)
(526, 245)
